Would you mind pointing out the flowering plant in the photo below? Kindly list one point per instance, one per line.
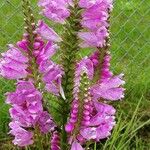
(68, 102)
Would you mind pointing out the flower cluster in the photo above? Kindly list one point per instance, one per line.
(94, 119)
(83, 87)
(10, 62)
(43, 51)
(56, 10)
(26, 112)
(52, 73)
(95, 20)
(31, 65)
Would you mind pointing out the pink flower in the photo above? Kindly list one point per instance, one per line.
(46, 123)
(76, 146)
(23, 44)
(101, 123)
(95, 59)
(94, 39)
(47, 52)
(55, 10)
(109, 89)
(104, 108)
(13, 65)
(22, 137)
(42, 51)
(90, 3)
(26, 102)
(55, 141)
(52, 75)
(85, 66)
(47, 33)
(94, 18)
(20, 116)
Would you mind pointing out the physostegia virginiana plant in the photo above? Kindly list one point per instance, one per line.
(67, 102)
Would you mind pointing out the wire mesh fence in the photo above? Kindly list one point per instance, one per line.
(130, 46)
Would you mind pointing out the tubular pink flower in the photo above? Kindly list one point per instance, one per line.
(26, 102)
(13, 64)
(47, 33)
(94, 18)
(94, 39)
(47, 52)
(42, 50)
(51, 73)
(27, 111)
(95, 59)
(101, 123)
(52, 76)
(55, 141)
(76, 146)
(109, 89)
(55, 10)
(98, 119)
(22, 137)
(89, 3)
(85, 65)
(46, 123)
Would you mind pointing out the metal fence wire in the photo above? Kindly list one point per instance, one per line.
(130, 47)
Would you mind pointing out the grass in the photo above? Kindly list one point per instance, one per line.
(130, 50)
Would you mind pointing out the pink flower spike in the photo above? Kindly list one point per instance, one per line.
(47, 33)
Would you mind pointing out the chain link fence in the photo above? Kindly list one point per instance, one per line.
(130, 39)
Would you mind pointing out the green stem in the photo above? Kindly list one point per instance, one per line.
(39, 138)
(95, 145)
(70, 48)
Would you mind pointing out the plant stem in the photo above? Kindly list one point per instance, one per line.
(38, 138)
(70, 48)
(95, 146)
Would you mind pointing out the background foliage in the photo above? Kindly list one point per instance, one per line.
(130, 38)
